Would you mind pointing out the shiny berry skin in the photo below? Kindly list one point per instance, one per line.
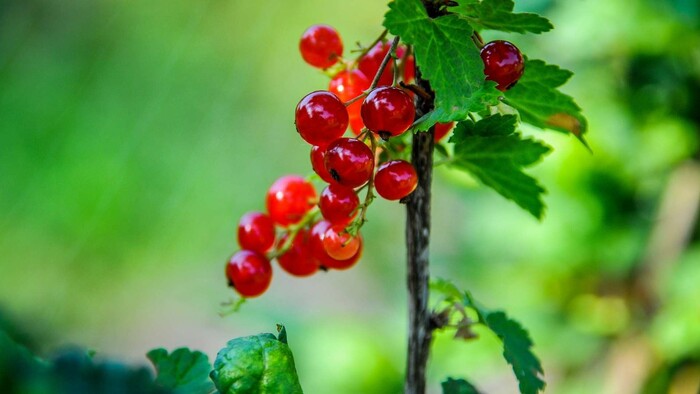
(321, 46)
(338, 204)
(297, 260)
(395, 179)
(321, 117)
(347, 85)
(339, 244)
(256, 232)
(317, 163)
(289, 199)
(388, 111)
(349, 161)
(442, 129)
(370, 63)
(503, 63)
(318, 252)
(249, 273)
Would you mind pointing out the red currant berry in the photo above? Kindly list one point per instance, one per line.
(338, 204)
(297, 260)
(318, 252)
(321, 118)
(388, 111)
(409, 69)
(339, 244)
(317, 163)
(395, 179)
(347, 85)
(321, 46)
(249, 273)
(442, 129)
(256, 232)
(349, 161)
(369, 64)
(289, 199)
(503, 63)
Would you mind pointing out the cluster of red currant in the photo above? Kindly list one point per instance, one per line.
(292, 231)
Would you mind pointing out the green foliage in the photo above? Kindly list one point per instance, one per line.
(256, 364)
(499, 15)
(539, 102)
(491, 150)
(458, 386)
(183, 371)
(517, 345)
(69, 372)
(447, 57)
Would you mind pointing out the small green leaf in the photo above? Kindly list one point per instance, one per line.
(183, 371)
(499, 15)
(458, 386)
(447, 57)
(446, 288)
(493, 152)
(516, 346)
(539, 103)
(256, 364)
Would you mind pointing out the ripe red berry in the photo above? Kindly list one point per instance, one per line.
(347, 85)
(442, 129)
(339, 244)
(338, 204)
(289, 199)
(321, 118)
(317, 163)
(318, 233)
(388, 111)
(256, 232)
(395, 179)
(370, 63)
(298, 260)
(321, 46)
(503, 63)
(349, 161)
(249, 273)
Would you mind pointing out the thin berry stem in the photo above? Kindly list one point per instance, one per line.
(369, 48)
(292, 232)
(384, 63)
(358, 222)
(379, 73)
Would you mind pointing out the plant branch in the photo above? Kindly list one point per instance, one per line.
(417, 248)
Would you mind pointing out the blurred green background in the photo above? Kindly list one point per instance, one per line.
(134, 134)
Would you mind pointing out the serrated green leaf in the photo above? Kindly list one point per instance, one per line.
(491, 151)
(183, 371)
(447, 57)
(517, 346)
(256, 364)
(458, 386)
(539, 102)
(499, 15)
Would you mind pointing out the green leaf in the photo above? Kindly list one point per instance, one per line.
(447, 57)
(183, 371)
(516, 346)
(493, 152)
(458, 386)
(499, 15)
(256, 364)
(539, 102)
